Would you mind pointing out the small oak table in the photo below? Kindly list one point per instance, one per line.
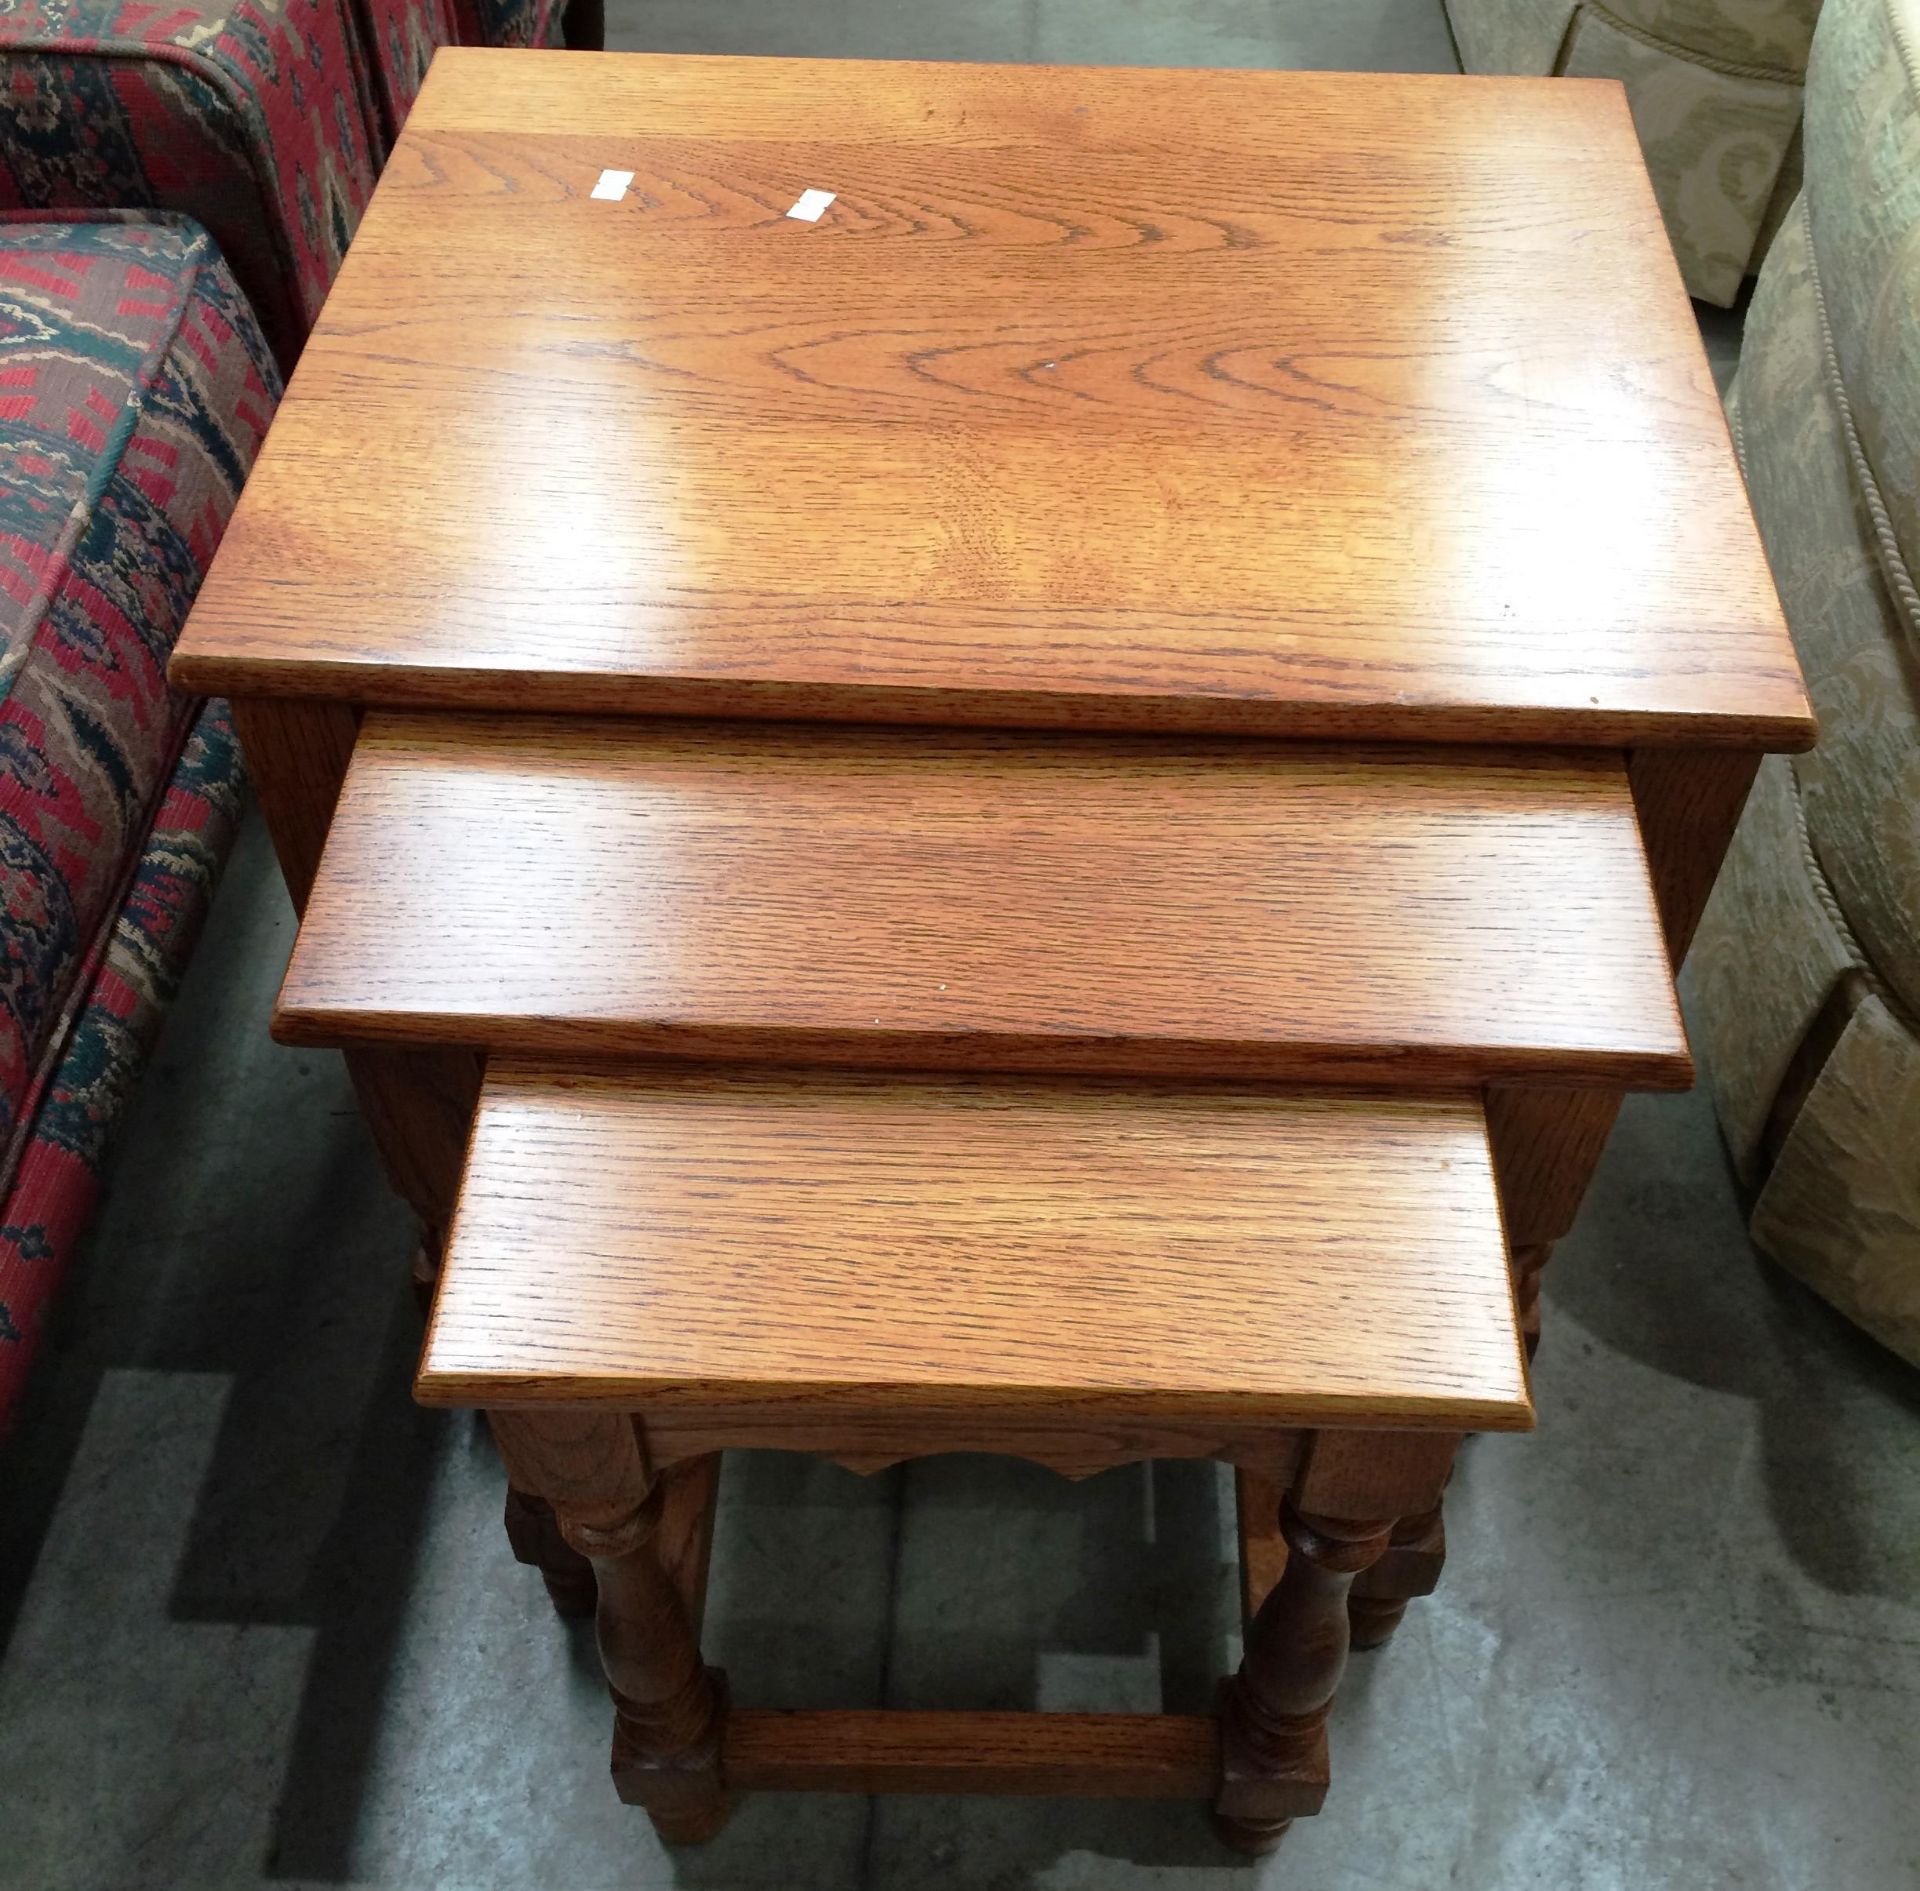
(650, 1266)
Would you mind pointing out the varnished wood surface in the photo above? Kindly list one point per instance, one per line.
(1347, 1473)
(1364, 405)
(1273, 1713)
(994, 1247)
(979, 900)
(1130, 1756)
(668, 1705)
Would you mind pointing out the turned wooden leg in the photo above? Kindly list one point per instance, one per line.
(668, 1705)
(1372, 1620)
(1273, 1713)
(534, 1534)
(1528, 1265)
(1415, 1556)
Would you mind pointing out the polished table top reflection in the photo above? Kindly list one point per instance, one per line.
(1246, 402)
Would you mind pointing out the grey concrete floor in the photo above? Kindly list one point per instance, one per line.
(260, 1627)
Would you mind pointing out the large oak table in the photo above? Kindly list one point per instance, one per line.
(1176, 484)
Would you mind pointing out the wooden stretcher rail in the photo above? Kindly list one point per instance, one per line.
(882, 1750)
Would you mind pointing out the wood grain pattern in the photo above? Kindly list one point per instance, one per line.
(418, 1103)
(973, 900)
(1351, 1473)
(996, 1248)
(1131, 1756)
(1263, 1550)
(1289, 403)
(535, 1537)
(1411, 1566)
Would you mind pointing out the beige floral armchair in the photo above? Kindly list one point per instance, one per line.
(1715, 87)
(1805, 980)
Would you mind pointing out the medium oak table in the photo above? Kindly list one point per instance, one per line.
(1278, 404)
(1333, 448)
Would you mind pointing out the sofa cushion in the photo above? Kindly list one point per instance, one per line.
(1716, 97)
(401, 37)
(1715, 143)
(1770, 950)
(1765, 38)
(1768, 35)
(253, 117)
(134, 391)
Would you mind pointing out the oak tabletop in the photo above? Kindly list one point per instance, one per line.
(1363, 406)
(866, 1242)
(987, 899)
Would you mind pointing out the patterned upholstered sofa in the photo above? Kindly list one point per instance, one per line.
(265, 120)
(1715, 87)
(135, 387)
(1806, 975)
(135, 384)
